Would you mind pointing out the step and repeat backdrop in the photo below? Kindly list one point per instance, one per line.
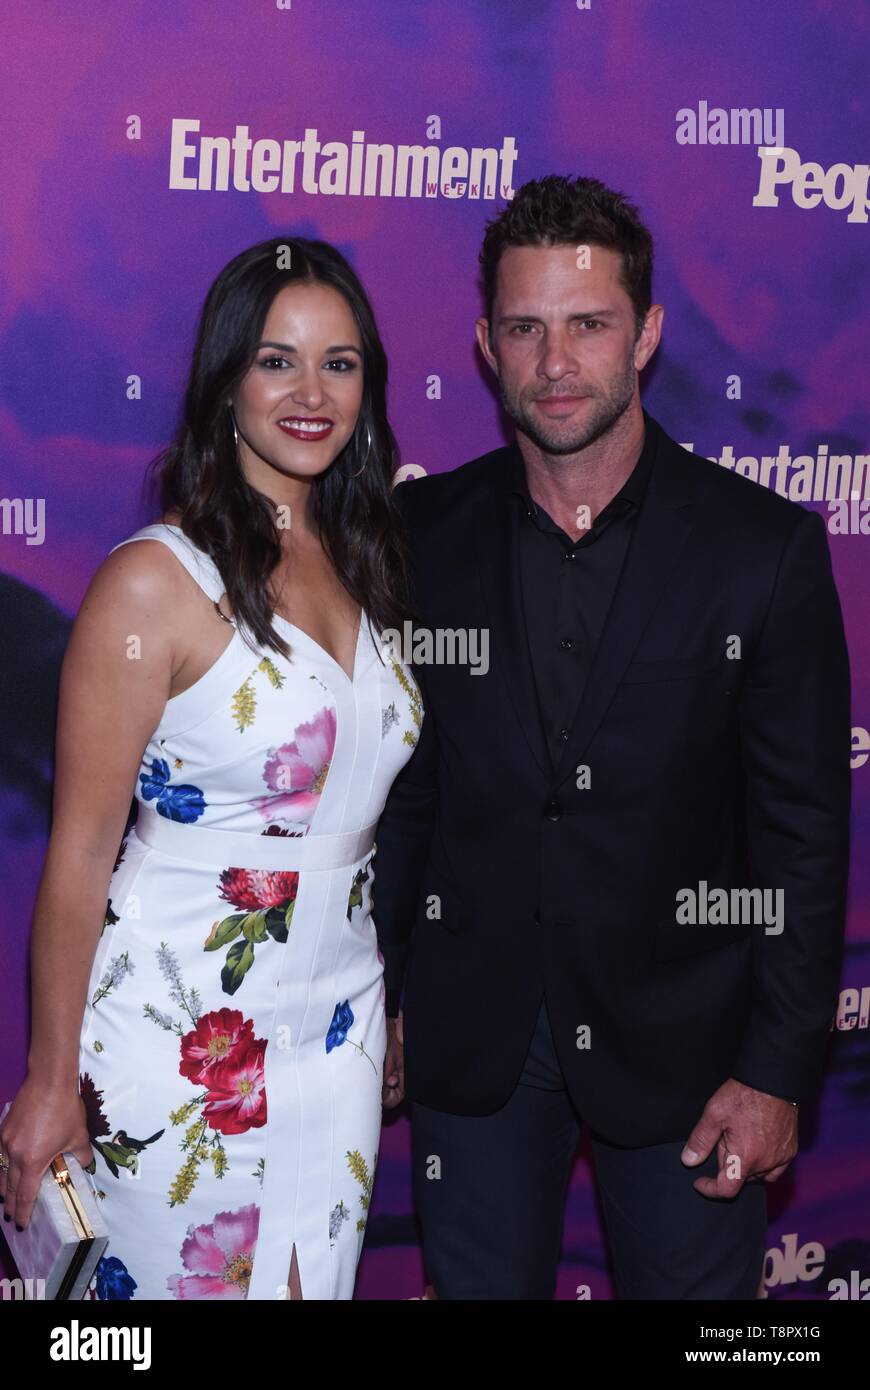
(148, 142)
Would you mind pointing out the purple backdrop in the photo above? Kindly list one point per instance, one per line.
(111, 231)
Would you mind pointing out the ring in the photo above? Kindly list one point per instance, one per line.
(4, 1163)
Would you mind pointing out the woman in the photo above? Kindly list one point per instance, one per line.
(214, 1036)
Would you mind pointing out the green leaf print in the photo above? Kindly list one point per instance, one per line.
(355, 898)
(254, 926)
(278, 920)
(240, 958)
(246, 930)
(225, 932)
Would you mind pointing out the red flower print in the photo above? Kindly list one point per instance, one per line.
(297, 770)
(216, 1037)
(95, 1119)
(219, 1256)
(236, 1100)
(252, 889)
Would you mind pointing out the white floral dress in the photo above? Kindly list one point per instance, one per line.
(232, 1045)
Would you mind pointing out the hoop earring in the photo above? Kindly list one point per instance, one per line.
(235, 431)
(365, 460)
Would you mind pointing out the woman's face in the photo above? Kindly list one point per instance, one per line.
(297, 406)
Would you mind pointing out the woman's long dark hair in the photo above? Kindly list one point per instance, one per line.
(202, 479)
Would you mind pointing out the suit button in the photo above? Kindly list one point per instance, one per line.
(553, 811)
(537, 918)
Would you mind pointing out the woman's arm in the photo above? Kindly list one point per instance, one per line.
(115, 679)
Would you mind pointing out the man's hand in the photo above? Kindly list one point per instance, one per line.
(755, 1136)
(393, 1092)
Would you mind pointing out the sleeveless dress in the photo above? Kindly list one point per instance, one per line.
(233, 1039)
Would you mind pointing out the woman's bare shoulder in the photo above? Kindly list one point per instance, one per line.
(141, 574)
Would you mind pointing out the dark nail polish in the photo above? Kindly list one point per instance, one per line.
(2, 1199)
(18, 1228)
(6, 1216)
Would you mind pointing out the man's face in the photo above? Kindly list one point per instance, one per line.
(563, 343)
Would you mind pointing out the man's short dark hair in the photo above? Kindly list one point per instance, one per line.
(556, 211)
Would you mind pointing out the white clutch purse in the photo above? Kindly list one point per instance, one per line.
(57, 1252)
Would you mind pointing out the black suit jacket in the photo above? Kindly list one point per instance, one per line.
(731, 772)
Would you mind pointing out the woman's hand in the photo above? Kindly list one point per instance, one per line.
(40, 1123)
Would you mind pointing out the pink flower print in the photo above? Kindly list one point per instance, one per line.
(219, 1256)
(297, 770)
(236, 1099)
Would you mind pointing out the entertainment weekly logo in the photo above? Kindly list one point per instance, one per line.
(218, 163)
(819, 477)
(853, 1009)
(840, 480)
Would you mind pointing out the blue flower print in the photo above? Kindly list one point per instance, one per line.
(342, 1022)
(183, 803)
(114, 1279)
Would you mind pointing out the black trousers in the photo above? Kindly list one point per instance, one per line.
(490, 1193)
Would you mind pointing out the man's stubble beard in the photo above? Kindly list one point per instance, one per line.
(607, 411)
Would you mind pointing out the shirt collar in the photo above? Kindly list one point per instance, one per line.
(633, 488)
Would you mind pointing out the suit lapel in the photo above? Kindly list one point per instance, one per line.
(495, 531)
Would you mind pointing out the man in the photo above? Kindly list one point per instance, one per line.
(612, 877)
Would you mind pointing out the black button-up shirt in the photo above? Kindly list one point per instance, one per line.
(568, 586)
